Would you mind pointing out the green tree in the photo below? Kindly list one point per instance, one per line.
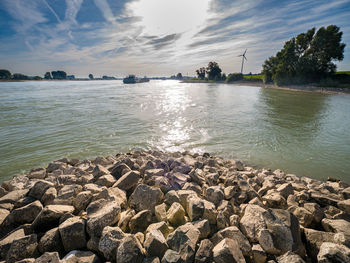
(19, 76)
(179, 76)
(214, 71)
(59, 74)
(201, 73)
(5, 74)
(307, 58)
(91, 76)
(47, 75)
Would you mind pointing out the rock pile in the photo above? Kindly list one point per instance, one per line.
(171, 207)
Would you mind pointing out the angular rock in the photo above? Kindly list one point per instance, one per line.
(344, 205)
(204, 253)
(140, 221)
(195, 208)
(214, 194)
(128, 180)
(184, 240)
(39, 189)
(51, 257)
(203, 227)
(330, 252)
(51, 241)
(106, 180)
(130, 250)
(274, 200)
(336, 226)
(290, 257)
(160, 212)
(25, 247)
(49, 195)
(6, 242)
(25, 214)
(101, 213)
(304, 216)
(3, 214)
(176, 214)
(13, 196)
(72, 232)
(252, 222)
(259, 254)
(124, 220)
(82, 200)
(160, 226)
(77, 256)
(171, 197)
(99, 171)
(145, 198)
(49, 217)
(155, 244)
(172, 256)
(285, 190)
(112, 194)
(119, 170)
(110, 241)
(210, 212)
(227, 251)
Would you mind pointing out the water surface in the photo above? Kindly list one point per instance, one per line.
(301, 133)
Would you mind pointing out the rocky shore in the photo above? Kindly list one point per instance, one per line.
(171, 207)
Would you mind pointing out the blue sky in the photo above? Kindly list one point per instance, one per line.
(156, 37)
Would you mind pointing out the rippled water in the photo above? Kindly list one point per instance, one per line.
(301, 133)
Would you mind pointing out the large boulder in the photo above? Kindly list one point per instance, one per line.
(112, 194)
(195, 208)
(184, 240)
(51, 241)
(39, 189)
(336, 225)
(290, 257)
(314, 240)
(49, 217)
(25, 214)
(172, 256)
(13, 196)
(140, 221)
(330, 252)
(130, 250)
(110, 241)
(160, 226)
(119, 169)
(204, 253)
(145, 198)
(73, 234)
(128, 180)
(101, 213)
(25, 247)
(6, 242)
(228, 251)
(52, 257)
(252, 222)
(214, 194)
(176, 214)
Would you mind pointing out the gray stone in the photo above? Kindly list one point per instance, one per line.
(184, 240)
(6, 242)
(172, 256)
(101, 213)
(195, 208)
(227, 251)
(72, 233)
(22, 248)
(128, 180)
(155, 244)
(204, 253)
(130, 250)
(119, 169)
(13, 196)
(25, 214)
(145, 198)
(39, 189)
(49, 217)
(51, 241)
(336, 226)
(51, 257)
(140, 221)
(176, 214)
(290, 257)
(203, 227)
(110, 241)
(330, 252)
(77, 256)
(214, 194)
(259, 255)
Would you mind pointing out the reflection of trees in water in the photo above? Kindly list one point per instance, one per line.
(298, 112)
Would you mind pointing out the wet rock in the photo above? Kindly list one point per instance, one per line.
(128, 180)
(184, 240)
(290, 257)
(25, 247)
(51, 257)
(176, 214)
(101, 213)
(110, 241)
(49, 217)
(155, 244)
(172, 256)
(227, 251)
(145, 198)
(140, 221)
(81, 256)
(330, 252)
(72, 232)
(51, 241)
(204, 253)
(130, 250)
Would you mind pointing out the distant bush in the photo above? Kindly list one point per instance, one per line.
(5, 74)
(328, 82)
(19, 76)
(234, 77)
(343, 78)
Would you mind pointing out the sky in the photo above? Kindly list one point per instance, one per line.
(156, 37)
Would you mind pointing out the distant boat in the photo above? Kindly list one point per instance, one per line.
(131, 79)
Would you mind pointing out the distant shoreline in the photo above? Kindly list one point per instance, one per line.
(300, 88)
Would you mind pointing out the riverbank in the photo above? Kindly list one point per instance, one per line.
(303, 88)
(171, 207)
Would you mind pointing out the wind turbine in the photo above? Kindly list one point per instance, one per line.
(243, 58)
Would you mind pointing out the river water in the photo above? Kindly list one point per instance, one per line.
(301, 133)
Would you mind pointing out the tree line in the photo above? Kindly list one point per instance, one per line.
(59, 74)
